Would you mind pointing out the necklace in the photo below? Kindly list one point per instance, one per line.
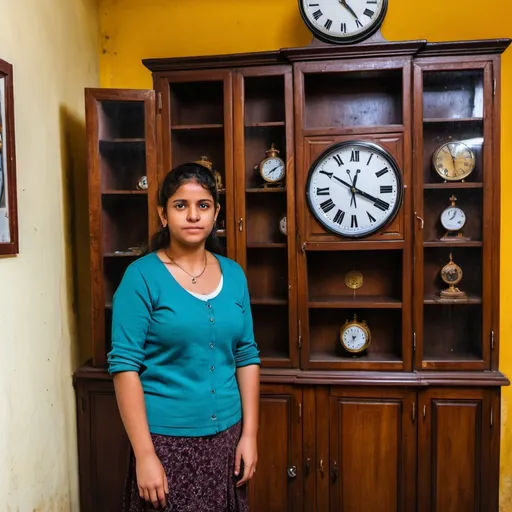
(194, 278)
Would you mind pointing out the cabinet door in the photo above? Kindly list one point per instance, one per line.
(277, 484)
(372, 450)
(457, 215)
(265, 212)
(454, 451)
(122, 209)
(196, 121)
(103, 446)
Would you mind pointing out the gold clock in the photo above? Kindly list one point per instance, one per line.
(452, 274)
(454, 161)
(355, 336)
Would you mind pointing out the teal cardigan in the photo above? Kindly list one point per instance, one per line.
(186, 350)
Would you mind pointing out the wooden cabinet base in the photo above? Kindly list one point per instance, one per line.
(345, 447)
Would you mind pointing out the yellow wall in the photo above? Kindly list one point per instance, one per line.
(53, 45)
(133, 30)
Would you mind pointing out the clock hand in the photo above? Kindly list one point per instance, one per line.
(344, 3)
(356, 190)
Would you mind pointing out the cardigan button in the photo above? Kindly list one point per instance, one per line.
(214, 417)
(211, 320)
(211, 345)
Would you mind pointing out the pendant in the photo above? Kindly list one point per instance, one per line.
(194, 280)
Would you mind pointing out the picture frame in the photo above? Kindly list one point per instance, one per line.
(9, 244)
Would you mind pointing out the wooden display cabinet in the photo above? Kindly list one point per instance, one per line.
(414, 419)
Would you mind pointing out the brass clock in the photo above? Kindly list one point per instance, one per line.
(355, 336)
(454, 161)
(272, 169)
(452, 274)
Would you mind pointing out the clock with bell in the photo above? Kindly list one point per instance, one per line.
(271, 169)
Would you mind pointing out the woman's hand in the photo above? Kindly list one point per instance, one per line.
(247, 452)
(152, 480)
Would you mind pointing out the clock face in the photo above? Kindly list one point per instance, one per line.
(354, 188)
(453, 218)
(353, 338)
(282, 225)
(272, 169)
(454, 161)
(343, 21)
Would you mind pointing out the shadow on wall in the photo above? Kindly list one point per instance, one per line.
(76, 234)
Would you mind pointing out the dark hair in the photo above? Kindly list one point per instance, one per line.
(173, 181)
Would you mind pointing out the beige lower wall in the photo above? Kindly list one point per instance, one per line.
(53, 46)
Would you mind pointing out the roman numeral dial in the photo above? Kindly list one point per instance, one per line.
(343, 20)
(354, 188)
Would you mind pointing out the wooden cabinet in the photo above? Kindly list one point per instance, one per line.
(412, 422)
(277, 485)
(454, 435)
(372, 450)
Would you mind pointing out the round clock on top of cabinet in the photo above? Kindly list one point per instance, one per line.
(354, 188)
(343, 21)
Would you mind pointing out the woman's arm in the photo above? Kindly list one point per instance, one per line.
(130, 400)
(131, 313)
(151, 478)
(249, 384)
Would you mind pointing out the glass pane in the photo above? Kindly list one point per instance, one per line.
(453, 176)
(350, 99)
(453, 94)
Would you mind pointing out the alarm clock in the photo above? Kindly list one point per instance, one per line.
(355, 336)
(272, 169)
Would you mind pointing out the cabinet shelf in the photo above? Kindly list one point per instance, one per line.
(370, 357)
(266, 245)
(265, 124)
(433, 300)
(439, 120)
(124, 192)
(123, 254)
(190, 127)
(344, 302)
(269, 302)
(121, 140)
(444, 186)
(452, 243)
(268, 190)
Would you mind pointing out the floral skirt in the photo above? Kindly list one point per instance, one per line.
(200, 472)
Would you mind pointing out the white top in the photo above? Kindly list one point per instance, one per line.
(209, 296)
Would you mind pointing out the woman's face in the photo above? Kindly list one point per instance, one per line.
(190, 214)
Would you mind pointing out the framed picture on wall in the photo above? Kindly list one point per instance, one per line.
(8, 195)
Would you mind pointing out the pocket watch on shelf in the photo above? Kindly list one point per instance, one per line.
(272, 169)
(452, 274)
(453, 219)
(355, 336)
(283, 228)
(454, 161)
(142, 183)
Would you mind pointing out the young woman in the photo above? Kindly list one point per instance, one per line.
(184, 361)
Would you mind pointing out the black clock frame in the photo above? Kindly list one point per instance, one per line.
(376, 148)
(356, 38)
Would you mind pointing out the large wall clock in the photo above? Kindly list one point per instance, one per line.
(343, 21)
(354, 188)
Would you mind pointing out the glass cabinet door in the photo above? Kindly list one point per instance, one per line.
(197, 127)
(453, 215)
(264, 205)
